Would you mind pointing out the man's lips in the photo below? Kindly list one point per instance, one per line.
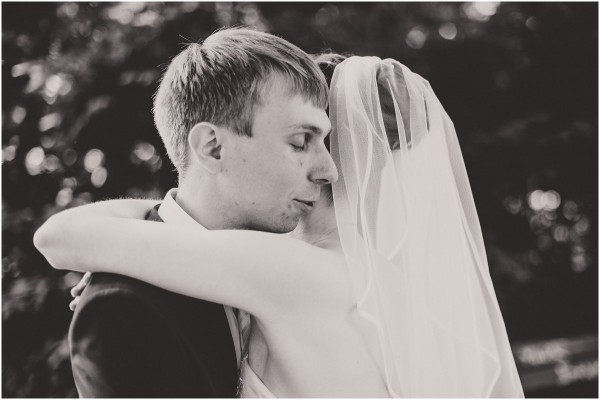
(305, 204)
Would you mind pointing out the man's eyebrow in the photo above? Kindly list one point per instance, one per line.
(308, 127)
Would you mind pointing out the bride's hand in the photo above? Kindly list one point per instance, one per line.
(78, 289)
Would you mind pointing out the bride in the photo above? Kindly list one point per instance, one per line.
(393, 300)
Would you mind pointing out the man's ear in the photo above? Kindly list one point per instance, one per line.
(205, 146)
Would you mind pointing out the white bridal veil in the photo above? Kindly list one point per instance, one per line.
(412, 239)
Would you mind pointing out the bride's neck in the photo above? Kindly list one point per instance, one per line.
(325, 239)
(319, 228)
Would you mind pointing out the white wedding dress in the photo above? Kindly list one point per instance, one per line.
(251, 386)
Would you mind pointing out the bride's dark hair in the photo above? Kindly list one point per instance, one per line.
(385, 75)
(327, 63)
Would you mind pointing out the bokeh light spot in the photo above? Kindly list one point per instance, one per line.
(189, 7)
(19, 69)
(49, 121)
(535, 200)
(582, 226)
(560, 233)
(579, 259)
(69, 182)
(144, 151)
(53, 85)
(551, 200)
(34, 160)
(224, 11)
(51, 163)
(93, 159)
(155, 163)
(18, 114)
(37, 77)
(250, 14)
(571, 211)
(69, 157)
(99, 176)
(124, 12)
(532, 23)
(448, 31)
(480, 11)
(64, 197)
(512, 204)
(540, 200)
(416, 38)
(68, 10)
(326, 15)
(8, 153)
(48, 141)
(147, 18)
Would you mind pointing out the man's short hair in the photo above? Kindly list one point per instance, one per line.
(221, 81)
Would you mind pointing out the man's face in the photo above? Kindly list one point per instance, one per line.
(270, 180)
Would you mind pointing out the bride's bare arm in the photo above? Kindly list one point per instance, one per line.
(51, 232)
(264, 273)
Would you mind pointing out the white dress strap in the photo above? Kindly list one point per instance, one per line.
(235, 333)
(244, 323)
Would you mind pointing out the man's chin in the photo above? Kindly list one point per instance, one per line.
(286, 226)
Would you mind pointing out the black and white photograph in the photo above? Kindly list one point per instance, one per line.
(300, 199)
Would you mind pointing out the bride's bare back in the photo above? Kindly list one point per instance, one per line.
(317, 354)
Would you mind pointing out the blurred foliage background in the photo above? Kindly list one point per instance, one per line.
(520, 81)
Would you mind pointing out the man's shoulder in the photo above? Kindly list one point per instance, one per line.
(110, 295)
(104, 285)
(115, 300)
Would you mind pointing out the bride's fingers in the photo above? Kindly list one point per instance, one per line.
(77, 289)
(86, 278)
(74, 303)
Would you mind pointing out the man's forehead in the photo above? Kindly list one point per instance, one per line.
(308, 118)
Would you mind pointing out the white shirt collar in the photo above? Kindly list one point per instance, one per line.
(172, 213)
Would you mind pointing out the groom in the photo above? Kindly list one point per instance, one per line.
(241, 116)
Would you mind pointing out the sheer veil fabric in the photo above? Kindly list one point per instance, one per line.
(411, 236)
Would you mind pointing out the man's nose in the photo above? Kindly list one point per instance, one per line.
(325, 171)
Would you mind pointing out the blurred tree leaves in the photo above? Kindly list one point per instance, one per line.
(518, 79)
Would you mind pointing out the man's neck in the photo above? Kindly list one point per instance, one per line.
(203, 209)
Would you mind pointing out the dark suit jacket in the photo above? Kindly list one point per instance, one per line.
(132, 339)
